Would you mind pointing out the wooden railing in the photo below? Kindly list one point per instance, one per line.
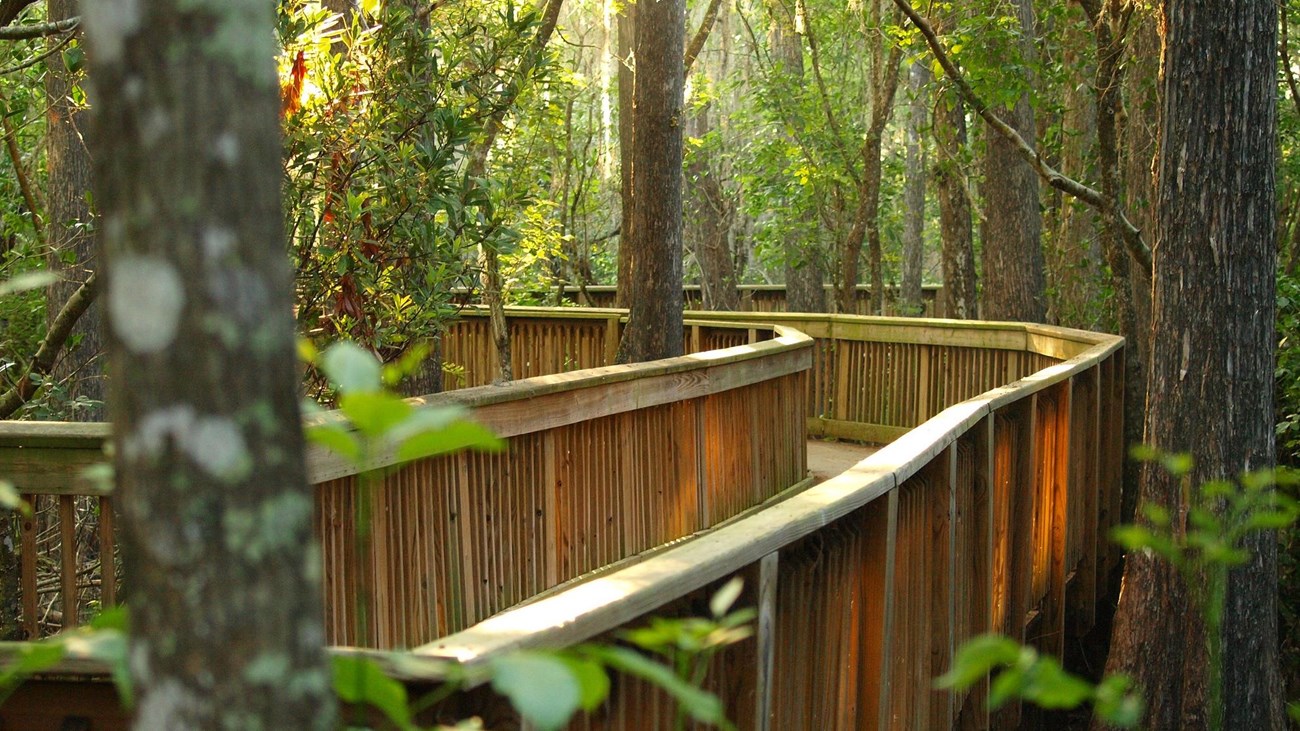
(988, 509)
(601, 464)
(989, 514)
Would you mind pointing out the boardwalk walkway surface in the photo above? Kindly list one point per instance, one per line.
(828, 459)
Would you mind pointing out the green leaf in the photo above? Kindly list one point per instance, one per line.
(541, 687)
(1177, 464)
(976, 658)
(374, 413)
(455, 437)
(701, 705)
(10, 499)
(726, 596)
(1053, 688)
(352, 368)
(337, 439)
(593, 683)
(1116, 704)
(360, 681)
(1143, 453)
(24, 282)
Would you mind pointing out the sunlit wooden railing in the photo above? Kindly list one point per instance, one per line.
(989, 514)
(987, 509)
(601, 464)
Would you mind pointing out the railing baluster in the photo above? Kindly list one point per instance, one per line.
(68, 555)
(28, 569)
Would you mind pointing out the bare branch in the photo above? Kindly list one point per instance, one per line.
(48, 352)
(1137, 248)
(701, 35)
(39, 30)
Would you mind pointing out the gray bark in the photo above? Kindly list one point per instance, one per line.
(655, 303)
(914, 191)
(72, 245)
(1014, 284)
(1210, 389)
(226, 621)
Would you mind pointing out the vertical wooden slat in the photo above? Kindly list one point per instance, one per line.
(28, 569)
(887, 648)
(107, 552)
(68, 559)
(768, 576)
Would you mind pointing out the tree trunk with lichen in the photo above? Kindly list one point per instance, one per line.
(226, 621)
(1210, 387)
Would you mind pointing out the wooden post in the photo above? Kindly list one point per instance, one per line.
(107, 552)
(885, 720)
(28, 570)
(68, 559)
(768, 577)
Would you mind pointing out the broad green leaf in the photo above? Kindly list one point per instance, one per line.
(26, 281)
(1009, 683)
(457, 436)
(593, 683)
(976, 658)
(1053, 688)
(374, 413)
(359, 680)
(726, 596)
(337, 439)
(701, 705)
(542, 688)
(352, 368)
(1177, 464)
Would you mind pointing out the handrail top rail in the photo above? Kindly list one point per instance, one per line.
(325, 466)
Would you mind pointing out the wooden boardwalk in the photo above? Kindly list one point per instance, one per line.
(631, 491)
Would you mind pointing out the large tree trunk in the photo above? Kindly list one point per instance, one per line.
(1014, 286)
(805, 269)
(1210, 387)
(72, 246)
(654, 328)
(225, 574)
(909, 295)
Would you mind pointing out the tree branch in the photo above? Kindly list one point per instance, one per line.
(701, 35)
(39, 30)
(1137, 248)
(48, 352)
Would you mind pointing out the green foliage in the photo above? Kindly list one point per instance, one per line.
(1203, 547)
(1025, 674)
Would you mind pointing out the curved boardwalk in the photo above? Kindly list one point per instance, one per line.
(633, 490)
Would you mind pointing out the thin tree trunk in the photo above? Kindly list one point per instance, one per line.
(1074, 255)
(909, 296)
(955, 227)
(805, 270)
(226, 620)
(709, 226)
(72, 246)
(626, 143)
(1210, 390)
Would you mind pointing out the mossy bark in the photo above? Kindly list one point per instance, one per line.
(226, 627)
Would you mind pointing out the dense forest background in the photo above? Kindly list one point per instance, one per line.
(485, 146)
